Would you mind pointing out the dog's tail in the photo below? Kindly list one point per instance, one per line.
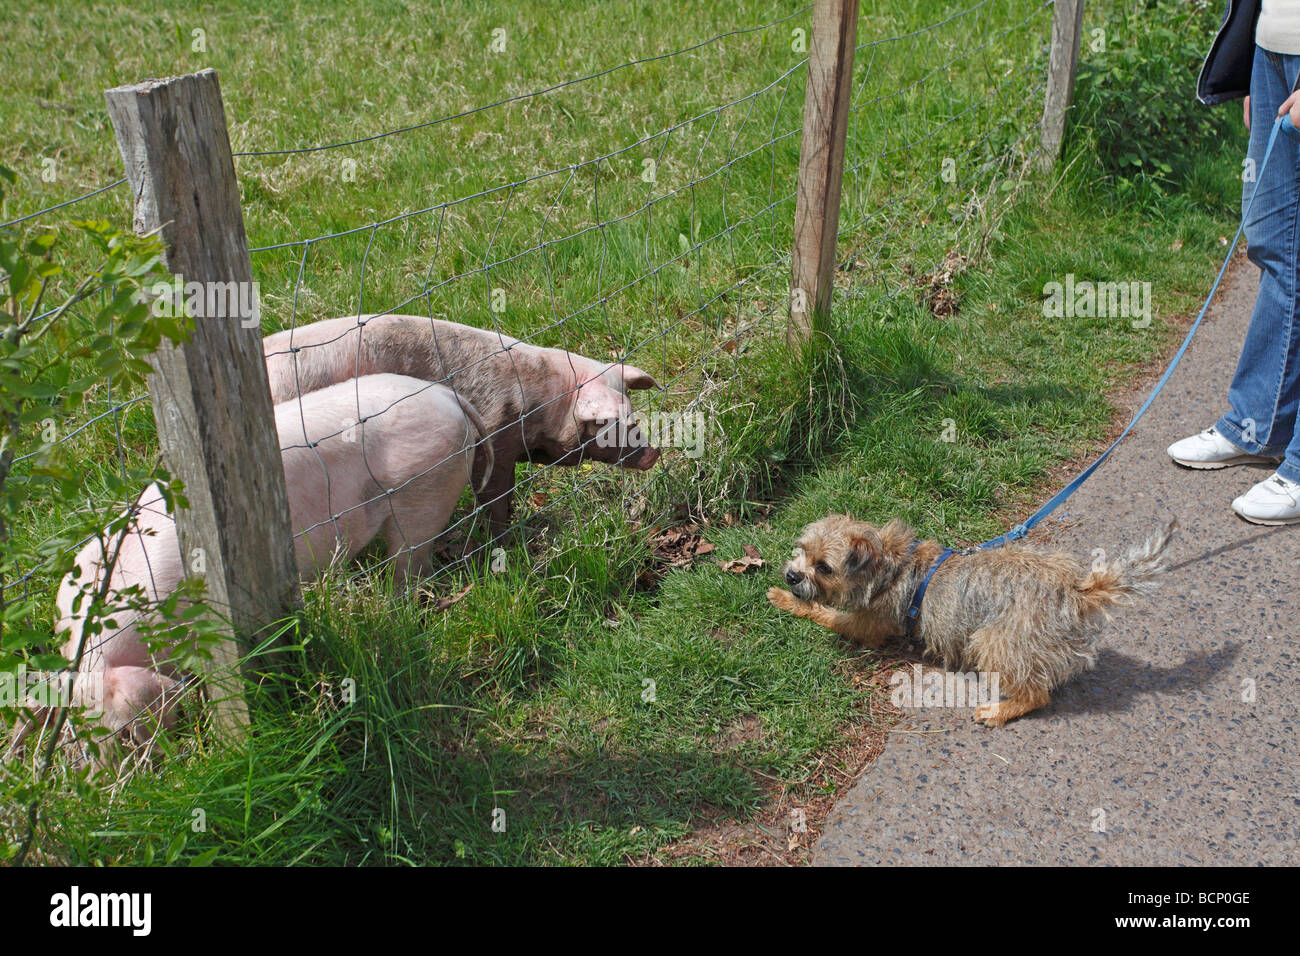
(484, 440)
(1136, 571)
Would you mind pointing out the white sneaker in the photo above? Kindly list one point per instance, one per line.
(1275, 501)
(1209, 449)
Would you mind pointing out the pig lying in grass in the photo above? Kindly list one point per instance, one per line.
(539, 404)
(371, 435)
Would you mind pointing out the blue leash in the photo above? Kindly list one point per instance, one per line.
(1019, 531)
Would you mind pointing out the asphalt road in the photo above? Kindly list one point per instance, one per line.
(1159, 756)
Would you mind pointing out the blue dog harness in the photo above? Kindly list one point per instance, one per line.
(914, 609)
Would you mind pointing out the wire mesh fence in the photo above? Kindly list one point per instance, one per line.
(603, 318)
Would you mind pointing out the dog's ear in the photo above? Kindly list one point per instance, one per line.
(896, 535)
(864, 550)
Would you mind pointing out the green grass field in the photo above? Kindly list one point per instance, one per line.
(532, 694)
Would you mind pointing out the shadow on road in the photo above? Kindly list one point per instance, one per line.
(1119, 680)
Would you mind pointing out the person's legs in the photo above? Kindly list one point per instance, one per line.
(1265, 392)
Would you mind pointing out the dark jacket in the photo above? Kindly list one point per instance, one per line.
(1225, 74)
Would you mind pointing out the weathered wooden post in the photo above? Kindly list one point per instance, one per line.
(821, 163)
(211, 399)
(1067, 28)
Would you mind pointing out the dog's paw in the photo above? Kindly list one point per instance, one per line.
(990, 715)
(782, 599)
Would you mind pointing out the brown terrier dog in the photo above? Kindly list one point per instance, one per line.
(1030, 617)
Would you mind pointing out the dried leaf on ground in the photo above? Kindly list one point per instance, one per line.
(937, 292)
(442, 603)
(752, 561)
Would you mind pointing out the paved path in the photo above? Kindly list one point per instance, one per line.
(1158, 736)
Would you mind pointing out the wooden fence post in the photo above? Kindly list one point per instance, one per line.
(211, 399)
(1067, 28)
(821, 163)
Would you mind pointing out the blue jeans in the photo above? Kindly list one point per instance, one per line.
(1265, 391)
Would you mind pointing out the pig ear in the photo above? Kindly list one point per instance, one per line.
(598, 402)
(635, 378)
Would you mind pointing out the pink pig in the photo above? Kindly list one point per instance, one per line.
(540, 405)
(343, 448)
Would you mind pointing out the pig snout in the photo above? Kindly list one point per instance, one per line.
(644, 461)
(636, 438)
(622, 442)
